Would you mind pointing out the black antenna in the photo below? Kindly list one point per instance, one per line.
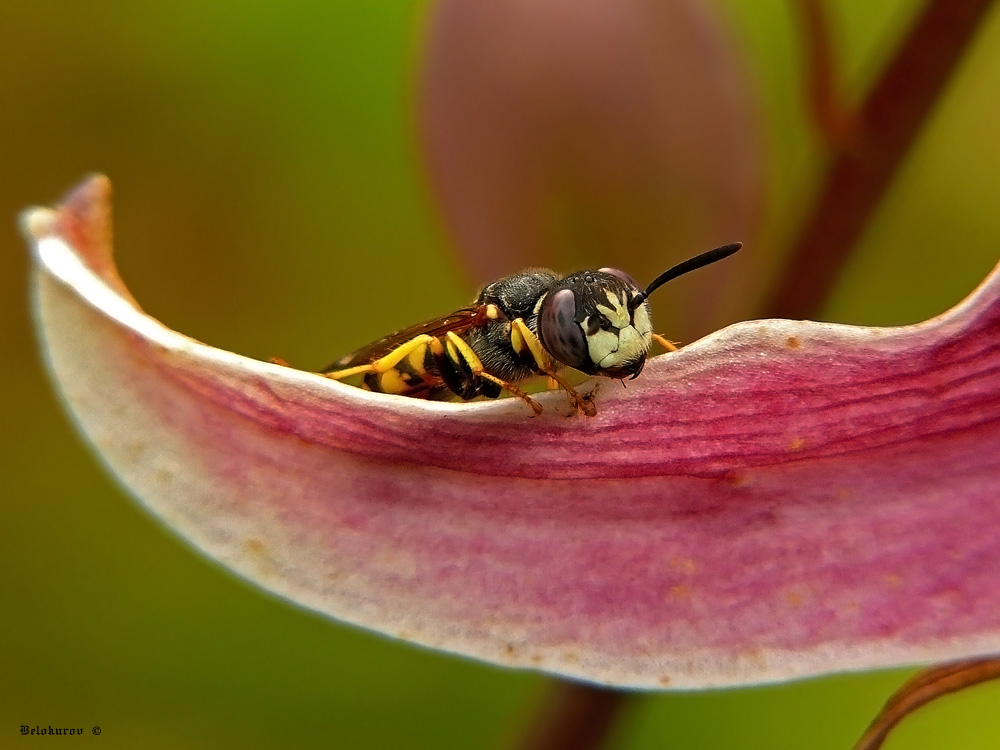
(691, 264)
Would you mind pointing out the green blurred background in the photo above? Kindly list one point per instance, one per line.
(265, 165)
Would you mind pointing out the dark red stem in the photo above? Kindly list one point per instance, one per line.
(926, 686)
(885, 127)
(574, 716)
(829, 113)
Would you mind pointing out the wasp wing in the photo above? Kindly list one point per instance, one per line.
(460, 320)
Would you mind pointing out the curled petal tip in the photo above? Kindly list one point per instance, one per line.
(37, 223)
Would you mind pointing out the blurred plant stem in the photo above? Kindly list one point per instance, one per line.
(883, 128)
(926, 686)
(868, 145)
(574, 716)
(831, 116)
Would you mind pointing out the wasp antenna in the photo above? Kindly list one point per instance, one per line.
(691, 264)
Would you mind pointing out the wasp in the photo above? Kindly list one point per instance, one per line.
(533, 323)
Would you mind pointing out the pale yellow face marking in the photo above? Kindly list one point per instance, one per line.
(618, 312)
(642, 323)
(633, 340)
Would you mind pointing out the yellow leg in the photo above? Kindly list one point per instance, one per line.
(580, 403)
(670, 346)
(458, 345)
(389, 361)
(514, 391)
(521, 336)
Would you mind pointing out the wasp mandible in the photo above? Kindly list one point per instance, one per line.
(523, 326)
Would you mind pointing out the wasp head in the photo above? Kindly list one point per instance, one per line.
(597, 322)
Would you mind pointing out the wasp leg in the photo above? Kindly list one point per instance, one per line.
(342, 374)
(522, 340)
(457, 374)
(386, 363)
(527, 346)
(580, 402)
(514, 391)
(459, 350)
(670, 346)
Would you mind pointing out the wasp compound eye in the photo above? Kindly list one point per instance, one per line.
(561, 335)
(622, 276)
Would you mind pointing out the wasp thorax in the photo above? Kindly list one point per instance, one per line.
(587, 321)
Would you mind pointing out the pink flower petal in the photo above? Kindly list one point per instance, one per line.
(780, 499)
(565, 134)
